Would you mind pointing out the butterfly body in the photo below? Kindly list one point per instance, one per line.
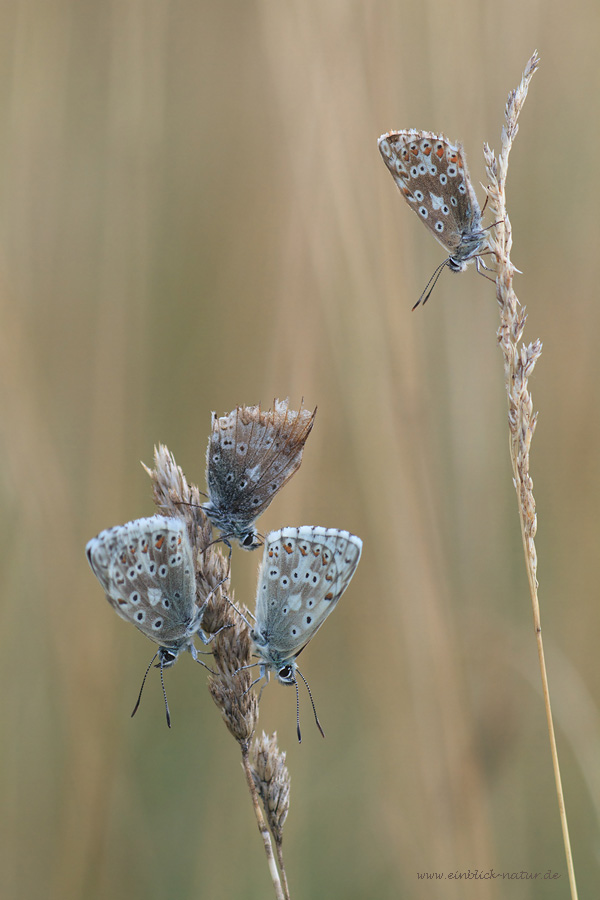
(303, 574)
(146, 568)
(251, 455)
(431, 173)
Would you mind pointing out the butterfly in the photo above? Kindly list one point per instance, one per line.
(431, 173)
(251, 454)
(303, 574)
(146, 568)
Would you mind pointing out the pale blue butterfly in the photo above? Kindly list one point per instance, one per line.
(251, 454)
(146, 568)
(303, 574)
(431, 173)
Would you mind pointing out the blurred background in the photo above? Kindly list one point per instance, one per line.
(194, 215)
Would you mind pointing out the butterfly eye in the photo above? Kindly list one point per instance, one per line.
(286, 674)
(248, 540)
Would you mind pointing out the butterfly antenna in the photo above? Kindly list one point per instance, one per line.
(135, 708)
(194, 505)
(298, 712)
(223, 538)
(312, 702)
(162, 681)
(427, 291)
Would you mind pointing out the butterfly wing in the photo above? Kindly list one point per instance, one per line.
(303, 574)
(431, 173)
(146, 568)
(251, 455)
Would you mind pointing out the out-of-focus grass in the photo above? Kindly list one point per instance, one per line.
(194, 214)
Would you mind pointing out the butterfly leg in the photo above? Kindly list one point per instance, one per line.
(479, 265)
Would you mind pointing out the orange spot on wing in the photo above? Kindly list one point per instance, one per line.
(329, 596)
(439, 151)
(160, 541)
(288, 548)
(427, 150)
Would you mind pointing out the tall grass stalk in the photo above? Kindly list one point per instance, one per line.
(266, 774)
(519, 362)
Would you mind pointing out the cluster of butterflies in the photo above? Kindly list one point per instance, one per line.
(147, 567)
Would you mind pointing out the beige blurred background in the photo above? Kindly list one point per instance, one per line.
(194, 214)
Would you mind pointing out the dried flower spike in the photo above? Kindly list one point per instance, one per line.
(272, 781)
